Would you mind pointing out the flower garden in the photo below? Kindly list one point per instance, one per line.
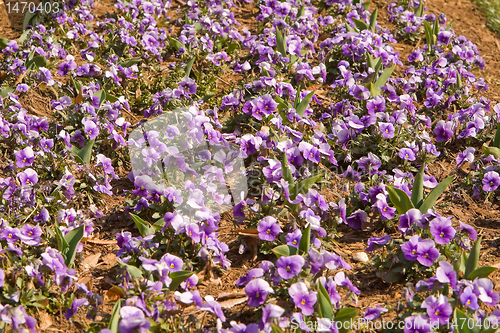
(244, 167)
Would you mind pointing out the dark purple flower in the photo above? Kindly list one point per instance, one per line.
(407, 220)
(439, 310)
(133, 320)
(293, 238)
(67, 66)
(407, 154)
(303, 298)
(74, 307)
(441, 230)
(213, 306)
(360, 92)
(25, 157)
(31, 235)
(268, 228)
(491, 181)
(446, 274)
(386, 212)
(257, 291)
(443, 130)
(28, 177)
(374, 242)
(91, 129)
(372, 314)
(469, 230)
(483, 288)
(469, 299)
(342, 280)
(427, 252)
(387, 130)
(290, 266)
(357, 219)
(466, 155)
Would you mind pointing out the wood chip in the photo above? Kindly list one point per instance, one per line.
(232, 302)
(45, 320)
(100, 241)
(92, 260)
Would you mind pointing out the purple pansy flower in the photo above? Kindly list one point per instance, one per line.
(133, 320)
(417, 324)
(491, 181)
(387, 130)
(443, 130)
(427, 252)
(268, 228)
(25, 157)
(91, 129)
(290, 266)
(303, 298)
(446, 274)
(438, 309)
(257, 291)
(28, 177)
(469, 299)
(441, 230)
(372, 314)
(407, 154)
(374, 242)
(407, 220)
(357, 219)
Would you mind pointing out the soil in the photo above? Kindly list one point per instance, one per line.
(97, 261)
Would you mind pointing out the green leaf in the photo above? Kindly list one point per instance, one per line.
(361, 25)
(304, 185)
(3, 43)
(417, 193)
(459, 81)
(178, 278)
(448, 27)
(382, 79)
(207, 97)
(373, 20)
(130, 62)
(419, 11)
(481, 272)
(132, 270)
(36, 62)
(464, 323)
(301, 108)
(370, 61)
(496, 141)
(115, 317)
(143, 226)
(73, 239)
(233, 46)
(435, 194)
(276, 329)
(83, 155)
(378, 65)
(473, 259)
(23, 37)
(349, 28)
(280, 42)
(366, 5)
(284, 250)
(189, 65)
(373, 89)
(62, 244)
(305, 240)
(345, 316)
(491, 151)
(285, 171)
(29, 18)
(428, 33)
(4, 93)
(176, 44)
(399, 199)
(301, 11)
(459, 264)
(435, 28)
(325, 307)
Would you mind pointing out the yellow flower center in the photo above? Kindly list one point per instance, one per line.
(172, 266)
